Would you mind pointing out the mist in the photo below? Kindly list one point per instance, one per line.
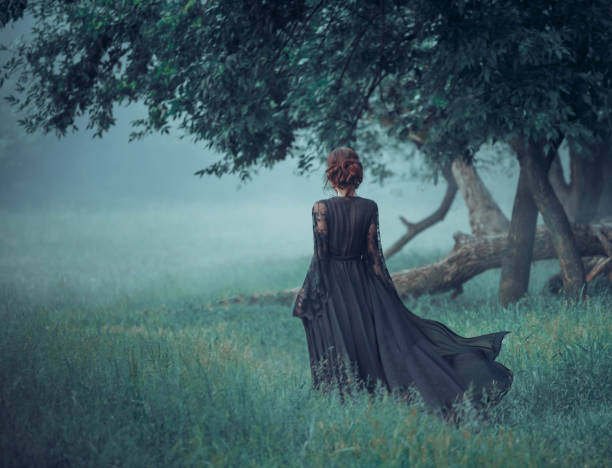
(152, 317)
(141, 200)
(78, 172)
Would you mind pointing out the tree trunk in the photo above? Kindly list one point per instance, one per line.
(485, 216)
(586, 184)
(534, 164)
(605, 200)
(470, 257)
(585, 197)
(516, 262)
(560, 185)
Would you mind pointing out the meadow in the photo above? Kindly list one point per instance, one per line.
(113, 353)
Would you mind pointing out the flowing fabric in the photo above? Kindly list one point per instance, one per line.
(357, 325)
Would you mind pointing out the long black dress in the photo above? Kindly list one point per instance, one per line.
(357, 325)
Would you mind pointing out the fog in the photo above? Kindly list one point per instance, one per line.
(150, 183)
(80, 173)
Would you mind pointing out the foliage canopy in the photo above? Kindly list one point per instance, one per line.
(259, 81)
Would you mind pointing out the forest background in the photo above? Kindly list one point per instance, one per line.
(114, 256)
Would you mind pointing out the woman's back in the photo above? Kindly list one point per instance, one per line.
(348, 220)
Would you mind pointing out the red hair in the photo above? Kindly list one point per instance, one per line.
(344, 170)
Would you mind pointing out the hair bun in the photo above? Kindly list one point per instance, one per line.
(344, 168)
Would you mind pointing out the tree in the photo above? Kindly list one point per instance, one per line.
(257, 81)
(525, 73)
(263, 81)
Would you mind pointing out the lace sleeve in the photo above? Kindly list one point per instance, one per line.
(376, 260)
(315, 291)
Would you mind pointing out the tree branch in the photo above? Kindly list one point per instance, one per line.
(415, 228)
(600, 266)
(378, 77)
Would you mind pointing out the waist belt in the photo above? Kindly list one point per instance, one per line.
(347, 257)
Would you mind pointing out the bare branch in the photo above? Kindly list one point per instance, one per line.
(415, 228)
(599, 267)
(599, 232)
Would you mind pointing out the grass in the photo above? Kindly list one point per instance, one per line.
(112, 356)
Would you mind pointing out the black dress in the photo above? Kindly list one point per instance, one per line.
(358, 327)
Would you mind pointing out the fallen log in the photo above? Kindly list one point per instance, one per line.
(469, 257)
(474, 255)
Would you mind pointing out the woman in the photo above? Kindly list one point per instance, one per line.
(358, 329)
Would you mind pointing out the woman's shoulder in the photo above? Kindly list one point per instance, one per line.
(370, 204)
(368, 201)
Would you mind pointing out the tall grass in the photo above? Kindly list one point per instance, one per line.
(110, 360)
